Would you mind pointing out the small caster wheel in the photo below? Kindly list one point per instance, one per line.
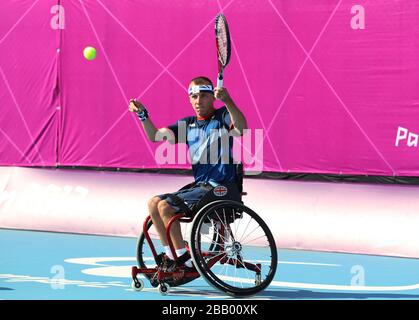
(164, 289)
(137, 284)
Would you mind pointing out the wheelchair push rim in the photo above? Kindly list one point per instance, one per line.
(238, 255)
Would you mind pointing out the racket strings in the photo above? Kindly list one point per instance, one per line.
(222, 45)
(222, 40)
(222, 35)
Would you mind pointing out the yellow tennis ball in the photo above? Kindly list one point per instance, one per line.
(89, 53)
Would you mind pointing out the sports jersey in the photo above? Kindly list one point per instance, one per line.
(210, 146)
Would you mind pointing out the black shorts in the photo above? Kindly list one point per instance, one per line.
(190, 196)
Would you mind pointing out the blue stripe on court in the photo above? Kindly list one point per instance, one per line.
(42, 265)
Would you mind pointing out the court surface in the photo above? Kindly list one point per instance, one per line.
(42, 265)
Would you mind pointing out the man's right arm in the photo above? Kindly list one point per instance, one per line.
(153, 134)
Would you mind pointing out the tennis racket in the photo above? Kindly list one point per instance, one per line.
(222, 37)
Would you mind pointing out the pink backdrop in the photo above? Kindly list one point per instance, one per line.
(329, 97)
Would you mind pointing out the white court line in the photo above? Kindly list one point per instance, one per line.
(302, 285)
(95, 261)
(124, 271)
(282, 284)
(104, 269)
(320, 286)
(310, 263)
(10, 278)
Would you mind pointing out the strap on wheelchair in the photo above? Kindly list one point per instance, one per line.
(183, 258)
(178, 202)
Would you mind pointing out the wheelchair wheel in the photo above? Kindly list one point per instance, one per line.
(240, 256)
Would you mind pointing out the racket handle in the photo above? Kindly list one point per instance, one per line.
(219, 82)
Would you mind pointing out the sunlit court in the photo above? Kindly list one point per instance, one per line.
(214, 150)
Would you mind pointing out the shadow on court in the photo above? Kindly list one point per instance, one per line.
(307, 294)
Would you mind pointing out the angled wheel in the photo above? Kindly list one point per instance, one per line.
(239, 254)
(137, 284)
(164, 289)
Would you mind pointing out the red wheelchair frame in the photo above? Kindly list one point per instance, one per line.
(163, 275)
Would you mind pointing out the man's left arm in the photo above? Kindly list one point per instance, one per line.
(238, 119)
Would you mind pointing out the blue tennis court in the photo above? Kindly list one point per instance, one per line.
(45, 265)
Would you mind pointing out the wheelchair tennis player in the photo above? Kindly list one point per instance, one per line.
(205, 134)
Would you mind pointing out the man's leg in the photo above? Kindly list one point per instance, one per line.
(157, 220)
(161, 213)
(166, 213)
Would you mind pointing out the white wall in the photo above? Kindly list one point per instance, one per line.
(356, 218)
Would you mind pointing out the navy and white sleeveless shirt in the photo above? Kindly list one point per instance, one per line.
(210, 146)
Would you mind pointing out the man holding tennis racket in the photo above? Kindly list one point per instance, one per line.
(228, 120)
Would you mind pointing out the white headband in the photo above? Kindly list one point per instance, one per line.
(201, 88)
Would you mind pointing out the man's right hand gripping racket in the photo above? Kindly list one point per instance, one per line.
(222, 37)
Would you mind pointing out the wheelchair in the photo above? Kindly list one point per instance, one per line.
(231, 247)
